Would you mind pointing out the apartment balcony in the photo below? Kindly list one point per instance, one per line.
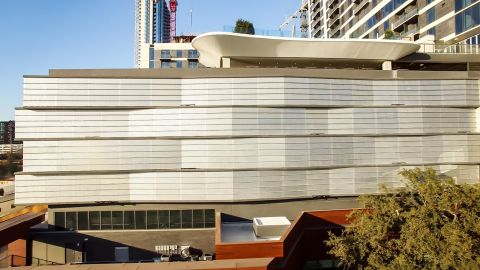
(315, 13)
(405, 18)
(334, 10)
(315, 4)
(361, 6)
(317, 20)
(409, 32)
(335, 30)
(331, 3)
(334, 21)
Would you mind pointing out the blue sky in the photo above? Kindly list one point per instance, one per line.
(37, 35)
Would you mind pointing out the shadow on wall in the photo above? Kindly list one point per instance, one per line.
(74, 247)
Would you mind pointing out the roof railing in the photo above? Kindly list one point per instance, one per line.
(449, 49)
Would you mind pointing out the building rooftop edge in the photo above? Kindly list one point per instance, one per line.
(256, 72)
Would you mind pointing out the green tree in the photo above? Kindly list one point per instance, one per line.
(388, 34)
(244, 27)
(432, 223)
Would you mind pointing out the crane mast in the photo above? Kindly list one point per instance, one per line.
(173, 19)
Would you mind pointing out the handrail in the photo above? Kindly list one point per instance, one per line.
(405, 18)
(17, 260)
(360, 6)
(409, 32)
(449, 49)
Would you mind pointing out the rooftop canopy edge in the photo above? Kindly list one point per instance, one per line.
(216, 46)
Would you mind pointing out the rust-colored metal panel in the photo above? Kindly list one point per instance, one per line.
(249, 250)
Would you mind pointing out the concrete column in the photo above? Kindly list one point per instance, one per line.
(225, 62)
(387, 65)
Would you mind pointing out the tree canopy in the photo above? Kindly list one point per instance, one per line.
(244, 27)
(389, 34)
(432, 223)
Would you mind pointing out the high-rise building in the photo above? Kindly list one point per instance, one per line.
(439, 21)
(155, 48)
(7, 132)
(152, 25)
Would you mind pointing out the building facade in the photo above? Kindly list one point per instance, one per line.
(445, 22)
(154, 46)
(144, 159)
(177, 54)
(152, 25)
(7, 132)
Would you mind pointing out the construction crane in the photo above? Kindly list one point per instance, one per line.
(173, 19)
(300, 14)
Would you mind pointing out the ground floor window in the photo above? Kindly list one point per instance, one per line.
(134, 220)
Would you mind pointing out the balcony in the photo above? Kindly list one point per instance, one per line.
(334, 10)
(334, 31)
(409, 32)
(331, 2)
(405, 18)
(360, 6)
(334, 21)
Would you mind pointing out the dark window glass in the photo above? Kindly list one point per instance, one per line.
(106, 220)
(179, 64)
(460, 4)
(175, 220)
(431, 31)
(165, 54)
(209, 218)
(60, 220)
(163, 219)
(179, 54)
(129, 220)
(152, 220)
(165, 64)
(117, 220)
(430, 15)
(467, 19)
(140, 220)
(186, 219)
(198, 219)
(83, 220)
(71, 220)
(94, 220)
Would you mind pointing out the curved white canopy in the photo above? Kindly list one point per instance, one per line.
(214, 46)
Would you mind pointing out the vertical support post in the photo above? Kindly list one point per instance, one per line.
(387, 65)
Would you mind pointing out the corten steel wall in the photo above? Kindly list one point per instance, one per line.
(303, 241)
(239, 139)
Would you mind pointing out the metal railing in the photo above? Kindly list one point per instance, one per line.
(336, 29)
(360, 6)
(333, 10)
(331, 2)
(412, 31)
(405, 18)
(266, 32)
(449, 49)
(16, 261)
